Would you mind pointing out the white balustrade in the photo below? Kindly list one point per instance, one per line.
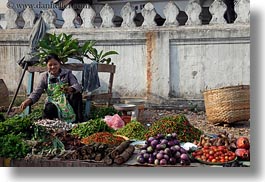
(242, 9)
(29, 17)
(11, 18)
(88, 15)
(171, 10)
(128, 14)
(193, 10)
(69, 16)
(107, 15)
(217, 9)
(149, 13)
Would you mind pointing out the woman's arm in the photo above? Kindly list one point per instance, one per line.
(40, 88)
(36, 94)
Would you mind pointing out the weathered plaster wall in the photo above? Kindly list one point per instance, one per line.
(157, 64)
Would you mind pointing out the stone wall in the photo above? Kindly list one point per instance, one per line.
(157, 63)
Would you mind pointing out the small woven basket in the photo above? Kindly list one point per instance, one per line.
(227, 104)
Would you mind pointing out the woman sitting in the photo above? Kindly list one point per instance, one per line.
(64, 93)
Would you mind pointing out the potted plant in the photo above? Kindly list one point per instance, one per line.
(65, 46)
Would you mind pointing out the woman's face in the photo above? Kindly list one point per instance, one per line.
(53, 66)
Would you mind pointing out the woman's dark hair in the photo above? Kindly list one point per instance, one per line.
(52, 56)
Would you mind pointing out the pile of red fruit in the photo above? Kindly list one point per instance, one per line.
(214, 154)
(243, 148)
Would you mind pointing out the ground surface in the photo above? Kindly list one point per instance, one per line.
(198, 120)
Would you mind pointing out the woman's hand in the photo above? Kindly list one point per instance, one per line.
(68, 90)
(24, 104)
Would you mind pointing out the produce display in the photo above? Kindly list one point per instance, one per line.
(90, 127)
(221, 139)
(120, 154)
(163, 150)
(161, 144)
(243, 148)
(19, 124)
(54, 125)
(14, 132)
(175, 124)
(13, 146)
(103, 137)
(240, 146)
(214, 155)
(93, 151)
(133, 130)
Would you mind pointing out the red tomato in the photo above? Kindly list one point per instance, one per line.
(213, 160)
(231, 158)
(221, 147)
(198, 157)
(206, 151)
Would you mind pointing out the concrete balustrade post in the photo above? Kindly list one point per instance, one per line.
(171, 12)
(88, 15)
(217, 9)
(69, 16)
(128, 14)
(11, 18)
(29, 17)
(107, 15)
(193, 10)
(242, 9)
(149, 14)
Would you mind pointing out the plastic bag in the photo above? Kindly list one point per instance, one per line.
(114, 121)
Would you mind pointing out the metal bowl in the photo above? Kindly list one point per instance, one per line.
(124, 107)
(135, 101)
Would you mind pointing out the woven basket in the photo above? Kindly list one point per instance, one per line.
(227, 104)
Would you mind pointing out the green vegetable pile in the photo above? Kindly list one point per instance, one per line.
(133, 130)
(101, 112)
(13, 146)
(178, 124)
(90, 127)
(19, 124)
(14, 132)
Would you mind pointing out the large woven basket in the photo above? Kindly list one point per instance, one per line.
(227, 104)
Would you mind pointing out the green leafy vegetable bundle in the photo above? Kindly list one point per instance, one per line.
(133, 130)
(19, 124)
(13, 146)
(90, 127)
